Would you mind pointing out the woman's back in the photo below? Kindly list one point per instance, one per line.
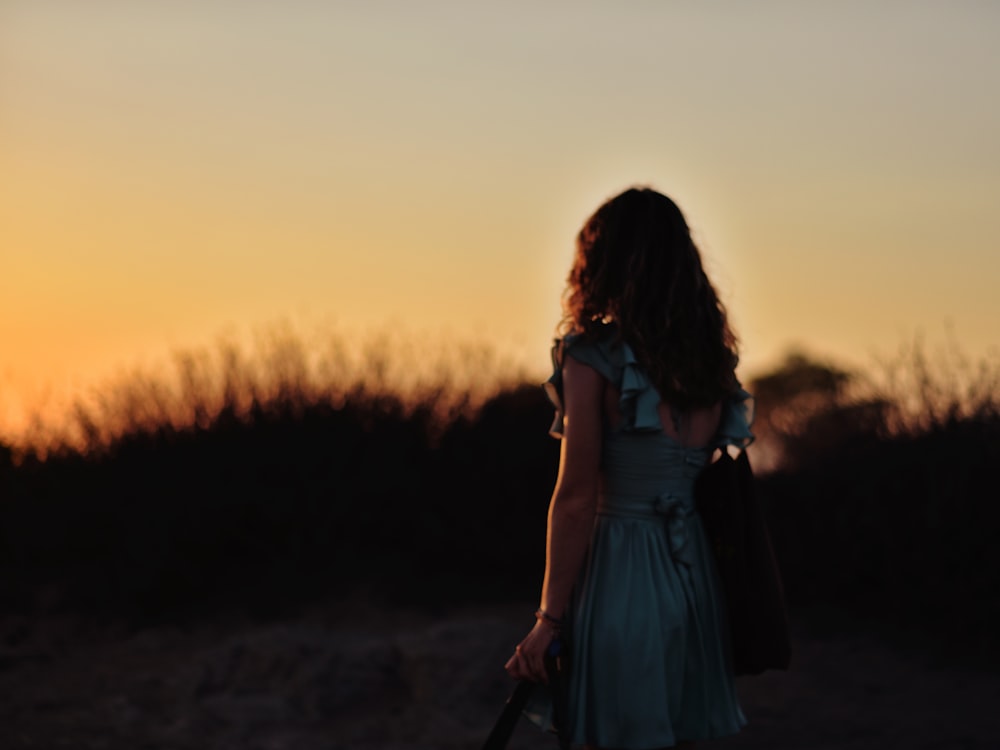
(693, 428)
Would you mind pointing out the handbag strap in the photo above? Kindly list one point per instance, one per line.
(504, 728)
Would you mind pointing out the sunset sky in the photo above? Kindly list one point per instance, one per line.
(172, 169)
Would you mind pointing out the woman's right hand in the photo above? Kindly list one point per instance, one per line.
(528, 661)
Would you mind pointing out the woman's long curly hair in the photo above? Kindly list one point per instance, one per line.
(636, 265)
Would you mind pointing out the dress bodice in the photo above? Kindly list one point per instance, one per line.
(638, 467)
(645, 471)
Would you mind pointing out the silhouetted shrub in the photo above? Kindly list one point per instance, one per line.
(285, 502)
(881, 498)
(291, 492)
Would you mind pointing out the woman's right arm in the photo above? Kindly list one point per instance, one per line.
(571, 512)
(574, 500)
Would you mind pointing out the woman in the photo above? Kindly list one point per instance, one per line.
(645, 392)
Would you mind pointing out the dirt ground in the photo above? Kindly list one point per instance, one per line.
(361, 677)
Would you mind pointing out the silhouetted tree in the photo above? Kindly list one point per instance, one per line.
(804, 410)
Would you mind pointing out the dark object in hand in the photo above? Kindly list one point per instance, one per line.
(557, 667)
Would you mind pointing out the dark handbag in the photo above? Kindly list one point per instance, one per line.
(754, 596)
(557, 667)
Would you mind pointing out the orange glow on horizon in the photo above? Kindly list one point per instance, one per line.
(172, 171)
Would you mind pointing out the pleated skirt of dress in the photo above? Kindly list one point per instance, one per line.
(651, 665)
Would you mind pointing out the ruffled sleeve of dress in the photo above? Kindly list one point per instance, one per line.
(589, 353)
(638, 399)
(616, 362)
(737, 416)
(553, 389)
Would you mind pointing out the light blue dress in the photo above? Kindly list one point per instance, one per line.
(650, 661)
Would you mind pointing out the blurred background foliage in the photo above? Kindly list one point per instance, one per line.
(264, 480)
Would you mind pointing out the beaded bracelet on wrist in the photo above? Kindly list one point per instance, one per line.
(554, 622)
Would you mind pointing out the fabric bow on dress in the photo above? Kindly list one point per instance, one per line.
(675, 515)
